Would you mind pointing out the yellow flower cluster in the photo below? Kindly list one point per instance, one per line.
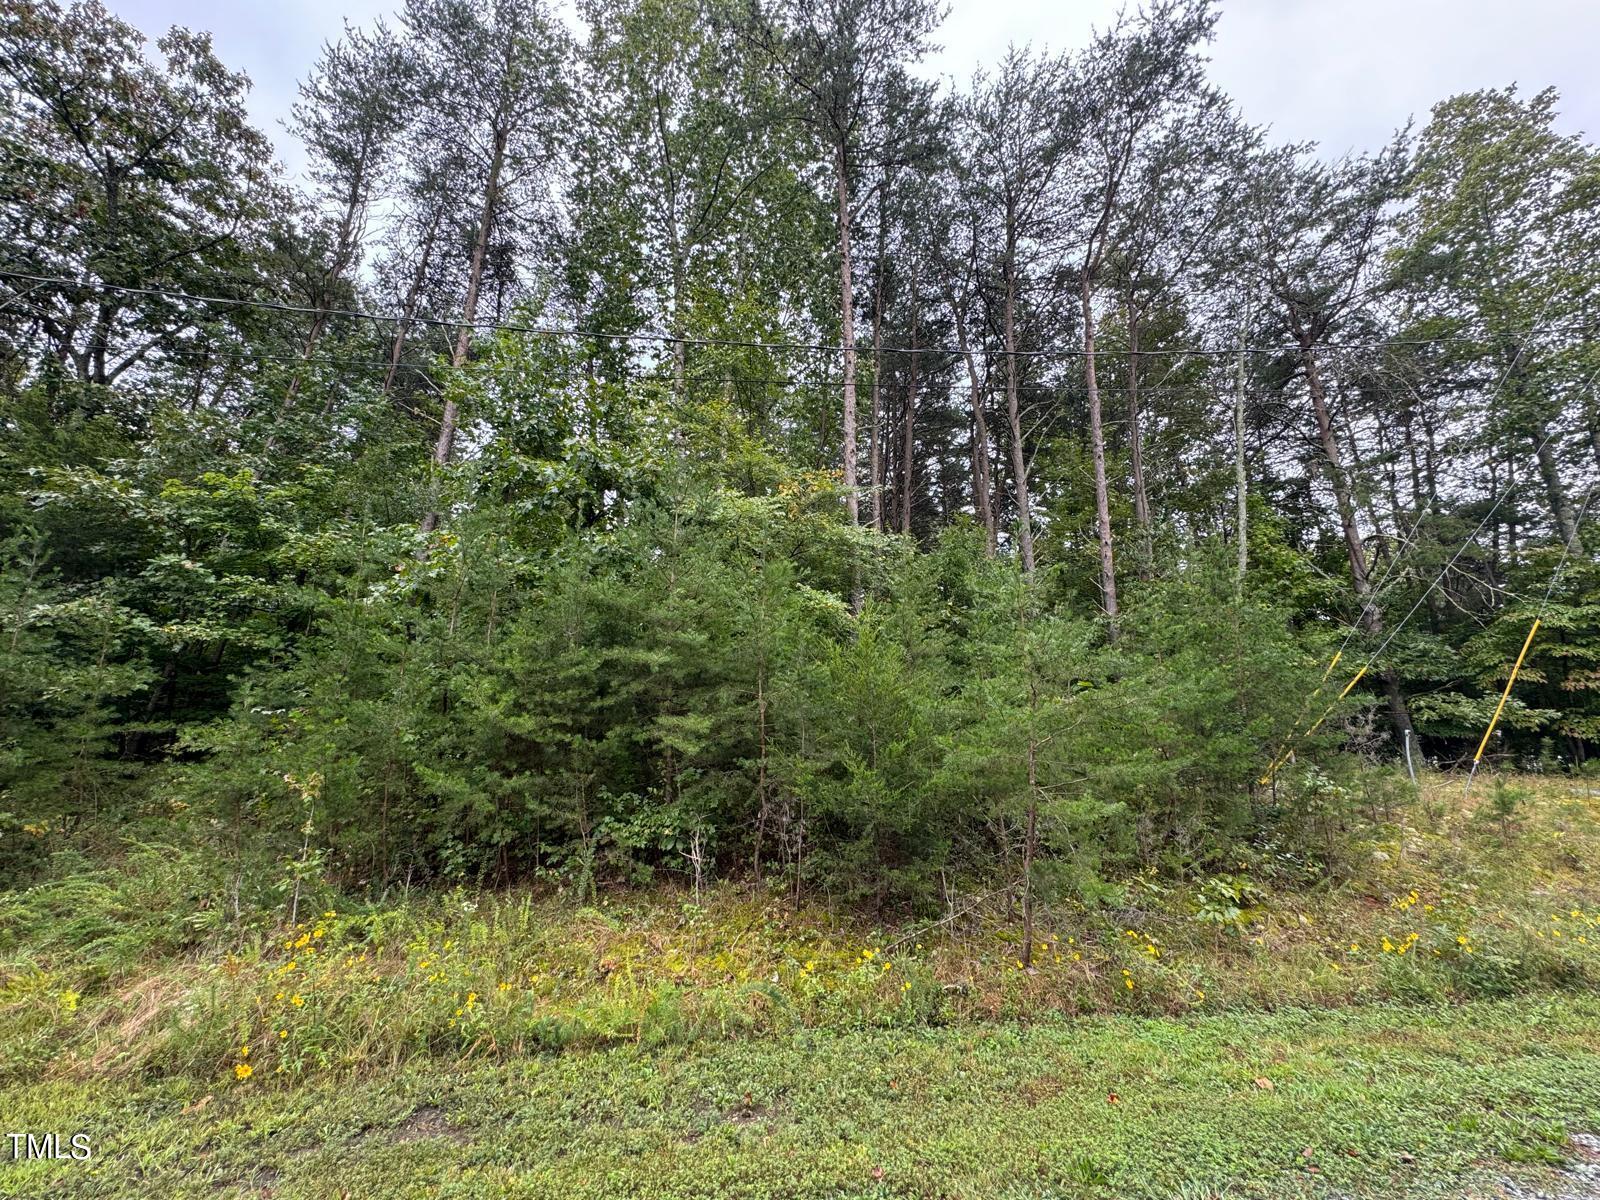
(1404, 945)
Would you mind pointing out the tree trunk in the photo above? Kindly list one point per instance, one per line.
(980, 431)
(680, 347)
(1556, 493)
(1343, 501)
(1019, 461)
(1241, 480)
(1141, 500)
(1030, 840)
(847, 338)
(1371, 619)
(908, 456)
(445, 446)
(1097, 439)
(1594, 429)
(343, 255)
(875, 453)
(408, 309)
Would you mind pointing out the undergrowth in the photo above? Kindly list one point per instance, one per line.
(162, 964)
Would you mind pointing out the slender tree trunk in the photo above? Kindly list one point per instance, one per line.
(680, 346)
(1371, 617)
(908, 454)
(1241, 480)
(980, 431)
(1019, 461)
(847, 337)
(1556, 493)
(408, 310)
(445, 446)
(1594, 429)
(1430, 457)
(761, 770)
(1141, 500)
(1354, 549)
(1030, 841)
(344, 254)
(1361, 497)
(1511, 509)
(1097, 438)
(875, 453)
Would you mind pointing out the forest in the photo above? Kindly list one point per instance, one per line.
(693, 444)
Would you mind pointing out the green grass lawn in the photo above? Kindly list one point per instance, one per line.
(1377, 1100)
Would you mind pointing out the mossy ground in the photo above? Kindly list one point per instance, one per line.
(1426, 1017)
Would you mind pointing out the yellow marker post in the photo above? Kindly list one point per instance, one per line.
(1288, 749)
(1500, 708)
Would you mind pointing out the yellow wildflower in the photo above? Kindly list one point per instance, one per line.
(243, 1070)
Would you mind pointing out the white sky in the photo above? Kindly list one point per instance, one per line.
(1342, 73)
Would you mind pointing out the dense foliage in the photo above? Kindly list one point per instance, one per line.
(710, 448)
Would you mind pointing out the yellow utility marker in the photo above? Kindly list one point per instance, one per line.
(1500, 708)
(1288, 747)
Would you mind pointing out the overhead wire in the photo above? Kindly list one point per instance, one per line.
(1288, 752)
(668, 338)
(1522, 654)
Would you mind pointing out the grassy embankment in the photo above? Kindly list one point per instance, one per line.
(1431, 1016)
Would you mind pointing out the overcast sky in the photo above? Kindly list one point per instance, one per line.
(1342, 73)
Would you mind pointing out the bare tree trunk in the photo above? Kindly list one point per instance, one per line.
(1594, 429)
(847, 337)
(761, 771)
(980, 432)
(1097, 438)
(908, 455)
(445, 446)
(1371, 617)
(875, 454)
(1019, 461)
(1241, 479)
(1141, 499)
(344, 253)
(1030, 840)
(1556, 492)
(408, 310)
(680, 348)
(1343, 501)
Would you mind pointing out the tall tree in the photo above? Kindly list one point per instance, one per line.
(1021, 127)
(493, 83)
(1499, 246)
(844, 61)
(1316, 238)
(686, 123)
(1137, 78)
(350, 115)
(123, 173)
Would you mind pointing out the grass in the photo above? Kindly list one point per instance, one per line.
(1434, 1000)
(1374, 1101)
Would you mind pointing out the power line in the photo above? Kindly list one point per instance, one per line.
(1427, 591)
(729, 343)
(201, 354)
